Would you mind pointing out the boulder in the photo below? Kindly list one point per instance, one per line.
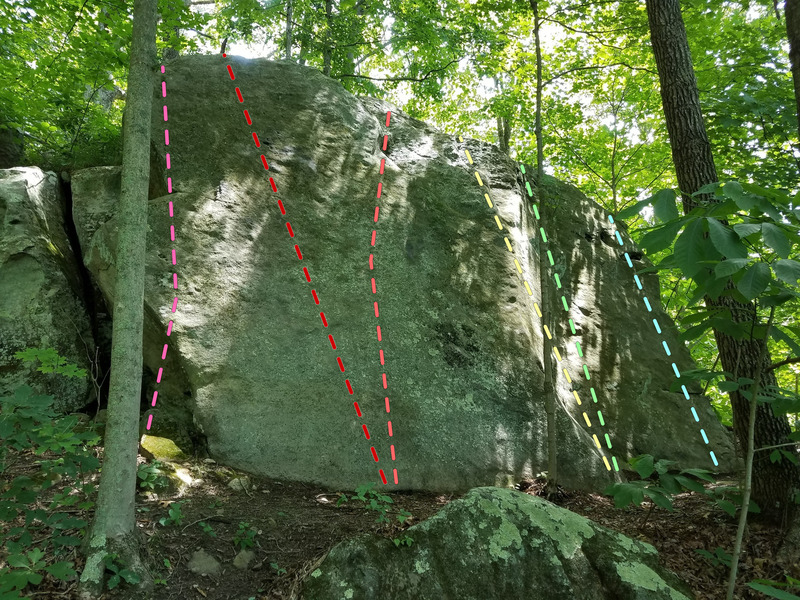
(496, 543)
(41, 297)
(459, 356)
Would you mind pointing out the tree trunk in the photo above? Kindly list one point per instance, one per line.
(792, 9)
(351, 57)
(544, 283)
(694, 167)
(113, 528)
(327, 50)
(288, 29)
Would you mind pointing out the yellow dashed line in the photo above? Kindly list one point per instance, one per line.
(508, 244)
(499, 224)
(608, 466)
(519, 268)
(479, 178)
(586, 418)
(538, 312)
(460, 139)
(488, 200)
(527, 287)
(596, 441)
(578, 400)
(569, 380)
(558, 354)
(547, 331)
(469, 158)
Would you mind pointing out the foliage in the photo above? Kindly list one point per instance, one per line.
(28, 423)
(174, 515)
(151, 476)
(772, 589)
(116, 565)
(278, 569)
(719, 558)
(208, 529)
(245, 536)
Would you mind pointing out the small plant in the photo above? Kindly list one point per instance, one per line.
(372, 499)
(208, 529)
(404, 540)
(175, 515)
(245, 536)
(51, 361)
(776, 589)
(214, 504)
(118, 571)
(719, 558)
(278, 569)
(151, 476)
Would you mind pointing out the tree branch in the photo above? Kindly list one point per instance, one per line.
(427, 75)
(788, 361)
(554, 77)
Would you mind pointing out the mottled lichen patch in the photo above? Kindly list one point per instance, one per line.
(641, 576)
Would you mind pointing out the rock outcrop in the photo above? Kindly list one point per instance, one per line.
(41, 297)
(496, 543)
(250, 362)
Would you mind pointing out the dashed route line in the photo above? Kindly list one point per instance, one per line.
(377, 313)
(544, 327)
(664, 343)
(306, 274)
(174, 256)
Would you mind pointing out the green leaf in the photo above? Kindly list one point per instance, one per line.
(734, 191)
(689, 250)
(703, 474)
(728, 386)
(727, 506)
(725, 240)
(728, 267)
(625, 494)
(779, 333)
(787, 271)
(634, 209)
(664, 206)
(754, 281)
(643, 465)
(776, 239)
(660, 238)
(690, 484)
(659, 498)
(745, 229)
(709, 188)
(772, 592)
(61, 570)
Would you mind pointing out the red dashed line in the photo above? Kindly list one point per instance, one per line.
(375, 303)
(305, 269)
(174, 256)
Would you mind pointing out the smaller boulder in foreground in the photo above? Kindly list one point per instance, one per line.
(497, 543)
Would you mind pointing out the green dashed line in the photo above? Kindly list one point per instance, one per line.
(578, 345)
(600, 416)
(586, 372)
(558, 281)
(572, 329)
(550, 257)
(536, 212)
(564, 301)
(544, 237)
(613, 458)
(528, 186)
(594, 396)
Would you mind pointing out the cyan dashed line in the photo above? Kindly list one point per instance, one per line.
(664, 343)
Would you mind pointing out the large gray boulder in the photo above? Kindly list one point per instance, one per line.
(496, 543)
(41, 304)
(461, 339)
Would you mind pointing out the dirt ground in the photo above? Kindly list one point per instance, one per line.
(296, 524)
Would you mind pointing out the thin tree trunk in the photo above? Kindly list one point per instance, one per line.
(288, 29)
(792, 9)
(351, 57)
(544, 283)
(694, 167)
(113, 528)
(748, 465)
(327, 50)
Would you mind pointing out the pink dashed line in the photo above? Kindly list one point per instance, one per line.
(375, 303)
(292, 234)
(174, 256)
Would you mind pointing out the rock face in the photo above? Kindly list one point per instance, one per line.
(497, 543)
(41, 303)
(458, 354)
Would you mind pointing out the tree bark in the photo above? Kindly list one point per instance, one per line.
(694, 166)
(288, 29)
(793, 34)
(327, 50)
(114, 526)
